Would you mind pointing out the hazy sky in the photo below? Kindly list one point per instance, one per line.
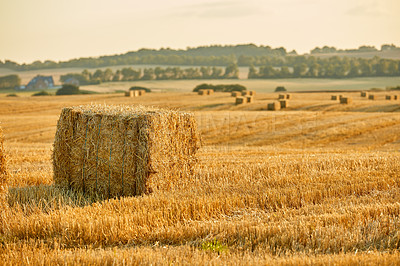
(65, 29)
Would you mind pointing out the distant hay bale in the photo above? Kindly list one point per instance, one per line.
(334, 97)
(3, 176)
(114, 151)
(395, 97)
(246, 93)
(388, 97)
(288, 96)
(236, 93)
(281, 96)
(132, 93)
(284, 103)
(371, 97)
(364, 94)
(274, 106)
(252, 93)
(346, 100)
(210, 92)
(202, 92)
(341, 96)
(240, 100)
(141, 92)
(249, 99)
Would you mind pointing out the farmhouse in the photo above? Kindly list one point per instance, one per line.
(40, 82)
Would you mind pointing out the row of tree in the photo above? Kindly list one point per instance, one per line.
(9, 81)
(158, 73)
(333, 67)
(361, 49)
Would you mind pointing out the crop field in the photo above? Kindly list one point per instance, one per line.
(315, 183)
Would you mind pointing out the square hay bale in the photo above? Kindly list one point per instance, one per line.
(236, 93)
(364, 94)
(141, 92)
(288, 96)
(3, 176)
(113, 151)
(346, 100)
(281, 96)
(284, 103)
(210, 92)
(252, 93)
(395, 97)
(202, 92)
(249, 99)
(372, 97)
(240, 100)
(245, 93)
(389, 97)
(334, 97)
(274, 106)
(132, 93)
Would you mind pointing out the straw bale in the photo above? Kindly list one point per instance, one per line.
(141, 92)
(240, 100)
(274, 106)
(132, 93)
(281, 96)
(202, 92)
(245, 93)
(395, 97)
(372, 97)
(364, 94)
(236, 93)
(114, 151)
(389, 97)
(346, 100)
(334, 97)
(210, 92)
(284, 103)
(341, 96)
(252, 93)
(249, 99)
(288, 96)
(3, 176)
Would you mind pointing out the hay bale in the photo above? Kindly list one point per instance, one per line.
(388, 97)
(364, 94)
(288, 96)
(334, 97)
(249, 99)
(114, 151)
(236, 93)
(132, 93)
(371, 97)
(395, 97)
(284, 103)
(210, 92)
(141, 92)
(240, 100)
(202, 92)
(246, 93)
(3, 176)
(252, 93)
(274, 106)
(341, 96)
(346, 100)
(281, 96)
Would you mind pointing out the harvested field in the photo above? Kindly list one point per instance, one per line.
(317, 183)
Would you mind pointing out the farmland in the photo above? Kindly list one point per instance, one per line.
(315, 183)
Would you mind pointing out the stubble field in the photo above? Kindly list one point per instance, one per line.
(316, 183)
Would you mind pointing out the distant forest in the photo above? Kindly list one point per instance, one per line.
(264, 62)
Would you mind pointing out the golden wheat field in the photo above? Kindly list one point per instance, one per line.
(315, 183)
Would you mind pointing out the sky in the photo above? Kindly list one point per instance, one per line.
(66, 29)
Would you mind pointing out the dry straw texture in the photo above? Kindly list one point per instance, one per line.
(115, 151)
(246, 93)
(281, 96)
(202, 92)
(3, 175)
(252, 93)
(334, 97)
(389, 97)
(210, 92)
(372, 97)
(346, 100)
(132, 93)
(364, 94)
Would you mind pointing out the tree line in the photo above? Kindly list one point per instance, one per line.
(333, 67)
(158, 73)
